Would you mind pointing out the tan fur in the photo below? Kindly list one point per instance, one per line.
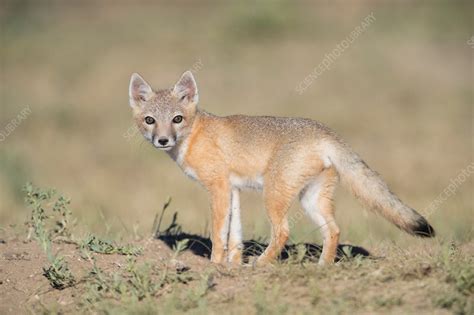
(287, 156)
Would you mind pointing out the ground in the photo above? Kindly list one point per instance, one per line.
(426, 278)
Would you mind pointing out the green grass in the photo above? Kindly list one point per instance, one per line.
(102, 246)
(49, 220)
(429, 277)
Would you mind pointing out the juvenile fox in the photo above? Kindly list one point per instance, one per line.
(283, 157)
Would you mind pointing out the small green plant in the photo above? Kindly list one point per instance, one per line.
(206, 284)
(388, 302)
(296, 254)
(136, 282)
(179, 247)
(459, 270)
(300, 253)
(44, 227)
(462, 276)
(49, 219)
(192, 298)
(264, 300)
(158, 219)
(455, 302)
(58, 274)
(140, 282)
(97, 245)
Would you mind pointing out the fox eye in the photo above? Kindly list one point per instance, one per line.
(149, 120)
(177, 119)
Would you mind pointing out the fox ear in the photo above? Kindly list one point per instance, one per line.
(139, 90)
(186, 88)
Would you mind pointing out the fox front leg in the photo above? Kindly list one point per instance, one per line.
(235, 234)
(220, 207)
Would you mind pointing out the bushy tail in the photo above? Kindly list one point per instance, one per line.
(374, 193)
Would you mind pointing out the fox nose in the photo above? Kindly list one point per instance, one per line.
(163, 141)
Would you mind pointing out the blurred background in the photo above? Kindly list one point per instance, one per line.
(400, 94)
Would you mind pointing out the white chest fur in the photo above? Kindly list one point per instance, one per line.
(189, 171)
(241, 182)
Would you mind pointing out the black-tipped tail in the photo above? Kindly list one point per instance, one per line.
(374, 193)
(424, 229)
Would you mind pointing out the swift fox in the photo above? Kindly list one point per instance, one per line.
(284, 157)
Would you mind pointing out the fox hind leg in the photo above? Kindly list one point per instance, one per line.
(289, 172)
(277, 205)
(317, 200)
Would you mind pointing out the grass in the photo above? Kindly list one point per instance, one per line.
(58, 273)
(97, 245)
(59, 217)
(51, 221)
(427, 278)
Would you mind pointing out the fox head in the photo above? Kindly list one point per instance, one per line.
(164, 117)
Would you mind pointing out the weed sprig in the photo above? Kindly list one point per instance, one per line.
(45, 228)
